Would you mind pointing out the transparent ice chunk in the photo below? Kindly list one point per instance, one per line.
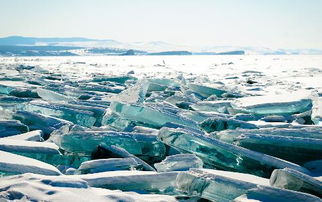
(179, 162)
(274, 104)
(148, 115)
(12, 127)
(218, 154)
(85, 142)
(295, 149)
(206, 90)
(291, 179)
(217, 185)
(219, 123)
(35, 135)
(111, 164)
(13, 164)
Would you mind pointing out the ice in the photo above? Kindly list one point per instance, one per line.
(75, 114)
(218, 123)
(13, 164)
(317, 111)
(206, 90)
(222, 155)
(111, 164)
(212, 106)
(138, 181)
(296, 102)
(315, 167)
(51, 96)
(85, 142)
(12, 127)
(132, 95)
(226, 186)
(147, 115)
(114, 118)
(34, 187)
(35, 135)
(179, 162)
(295, 149)
(120, 152)
(291, 179)
(35, 121)
(23, 146)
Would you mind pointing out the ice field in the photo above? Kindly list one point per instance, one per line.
(161, 128)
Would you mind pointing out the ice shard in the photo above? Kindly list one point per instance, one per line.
(274, 104)
(291, 179)
(132, 95)
(12, 127)
(138, 181)
(111, 164)
(75, 114)
(317, 112)
(35, 135)
(217, 185)
(295, 149)
(13, 164)
(218, 123)
(218, 154)
(52, 96)
(179, 162)
(120, 152)
(212, 106)
(35, 187)
(148, 115)
(206, 90)
(85, 142)
(37, 121)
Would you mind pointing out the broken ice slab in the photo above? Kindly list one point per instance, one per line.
(85, 142)
(315, 167)
(35, 187)
(179, 162)
(23, 146)
(218, 123)
(117, 79)
(206, 90)
(120, 152)
(212, 106)
(12, 103)
(274, 104)
(216, 185)
(133, 95)
(37, 121)
(161, 84)
(153, 116)
(295, 149)
(51, 96)
(291, 179)
(111, 164)
(13, 164)
(77, 114)
(218, 154)
(317, 111)
(201, 116)
(8, 128)
(138, 181)
(270, 194)
(296, 131)
(35, 135)
(101, 88)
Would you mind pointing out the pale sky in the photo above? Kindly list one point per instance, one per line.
(265, 23)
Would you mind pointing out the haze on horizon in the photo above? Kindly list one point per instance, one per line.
(270, 23)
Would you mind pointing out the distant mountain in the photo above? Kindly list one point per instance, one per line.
(32, 46)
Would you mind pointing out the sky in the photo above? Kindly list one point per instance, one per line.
(259, 23)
